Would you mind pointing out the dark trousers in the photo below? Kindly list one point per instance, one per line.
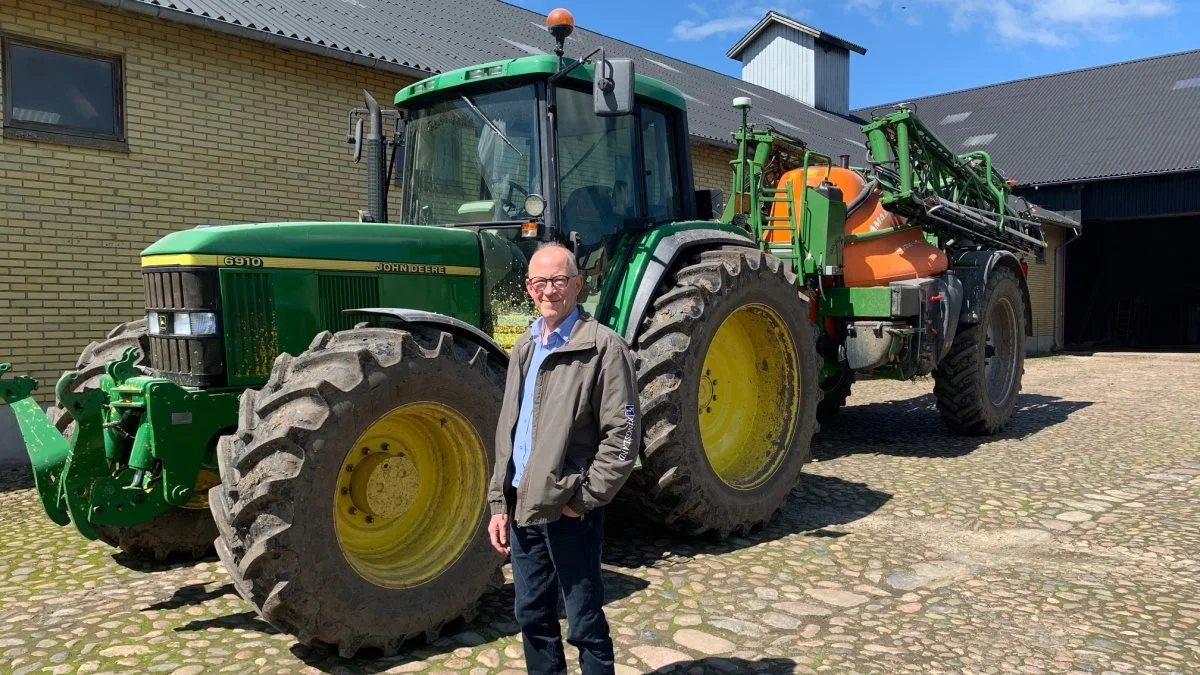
(561, 556)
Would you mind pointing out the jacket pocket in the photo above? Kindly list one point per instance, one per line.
(565, 488)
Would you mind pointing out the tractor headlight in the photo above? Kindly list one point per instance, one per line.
(203, 323)
(535, 205)
(191, 324)
(194, 323)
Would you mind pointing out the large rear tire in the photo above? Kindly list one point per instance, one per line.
(977, 383)
(185, 532)
(727, 369)
(352, 507)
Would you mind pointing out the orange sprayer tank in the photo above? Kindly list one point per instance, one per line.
(874, 262)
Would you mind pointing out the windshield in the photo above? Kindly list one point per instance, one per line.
(472, 159)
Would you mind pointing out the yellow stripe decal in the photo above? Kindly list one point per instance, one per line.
(257, 262)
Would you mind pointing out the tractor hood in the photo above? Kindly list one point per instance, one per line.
(322, 241)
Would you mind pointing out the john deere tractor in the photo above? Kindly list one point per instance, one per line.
(321, 399)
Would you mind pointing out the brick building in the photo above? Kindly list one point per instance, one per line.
(125, 120)
(216, 129)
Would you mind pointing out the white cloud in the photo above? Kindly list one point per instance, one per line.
(735, 18)
(1084, 11)
(690, 31)
(1049, 23)
(886, 13)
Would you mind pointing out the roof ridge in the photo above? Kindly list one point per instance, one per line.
(1030, 79)
(743, 43)
(677, 60)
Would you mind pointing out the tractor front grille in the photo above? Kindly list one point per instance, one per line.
(190, 360)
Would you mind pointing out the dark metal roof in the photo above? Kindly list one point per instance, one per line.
(422, 37)
(1125, 119)
(775, 17)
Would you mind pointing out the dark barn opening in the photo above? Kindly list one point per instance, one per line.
(1134, 284)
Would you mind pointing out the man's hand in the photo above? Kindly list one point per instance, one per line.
(568, 511)
(498, 531)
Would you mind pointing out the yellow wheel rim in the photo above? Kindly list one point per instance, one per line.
(749, 396)
(409, 494)
(206, 479)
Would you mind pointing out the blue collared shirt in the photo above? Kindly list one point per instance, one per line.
(523, 435)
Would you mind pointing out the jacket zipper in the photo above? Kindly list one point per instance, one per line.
(537, 399)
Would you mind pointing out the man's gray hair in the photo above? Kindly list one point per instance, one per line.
(572, 263)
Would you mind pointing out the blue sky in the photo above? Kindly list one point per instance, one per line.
(914, 47)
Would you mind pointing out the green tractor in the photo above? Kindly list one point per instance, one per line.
(321, 399)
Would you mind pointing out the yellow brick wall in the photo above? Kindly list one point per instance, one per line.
(221, 130)
(710, 167)
(1041, 282)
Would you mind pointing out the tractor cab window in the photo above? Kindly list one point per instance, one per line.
(658, 149)
(598, 185)
(472, 158)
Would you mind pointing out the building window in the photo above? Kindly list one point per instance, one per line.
(60, 94)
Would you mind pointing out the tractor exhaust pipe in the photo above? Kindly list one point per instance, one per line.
(376, 162)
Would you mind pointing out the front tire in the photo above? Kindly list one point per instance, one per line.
(352, 508)
(185, 532)
(727, 369)
(978, 381)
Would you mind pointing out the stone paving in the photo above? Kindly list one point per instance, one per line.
(1068, 544)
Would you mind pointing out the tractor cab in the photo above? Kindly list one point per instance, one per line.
(543, 148)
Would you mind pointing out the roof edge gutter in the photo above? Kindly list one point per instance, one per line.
(1100, 179)
(273, 39)
(712, 142)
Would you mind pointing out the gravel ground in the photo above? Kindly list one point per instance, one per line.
(1069, 543)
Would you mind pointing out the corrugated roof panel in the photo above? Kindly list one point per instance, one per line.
(435, 36)
(528, 49)
(660, 64)
(980, 139)
(1111, 121)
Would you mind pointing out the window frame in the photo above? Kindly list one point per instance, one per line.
(637, 159)
(670, 138)
(54, 133)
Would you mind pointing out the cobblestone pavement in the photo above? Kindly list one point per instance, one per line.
(1070, 543)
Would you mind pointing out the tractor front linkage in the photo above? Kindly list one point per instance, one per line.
(109, 469)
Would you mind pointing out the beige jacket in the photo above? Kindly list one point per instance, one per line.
(586, 426)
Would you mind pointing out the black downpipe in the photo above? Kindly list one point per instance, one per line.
(683, 160)
(551, 144)
(376, 162)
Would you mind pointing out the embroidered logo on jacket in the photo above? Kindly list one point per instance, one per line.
(630, 413)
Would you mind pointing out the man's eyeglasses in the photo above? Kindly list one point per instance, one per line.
(540, 283)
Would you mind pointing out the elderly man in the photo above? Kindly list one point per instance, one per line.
(568, 433)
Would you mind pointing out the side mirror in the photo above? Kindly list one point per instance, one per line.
(358, 139)
(612, 87)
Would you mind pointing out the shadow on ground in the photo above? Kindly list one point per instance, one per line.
(817, 504)
(150, 566)
(327, 660)
(191, 594)
(717, 664)
(493, 621)
(913, 427)
(16, 477)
